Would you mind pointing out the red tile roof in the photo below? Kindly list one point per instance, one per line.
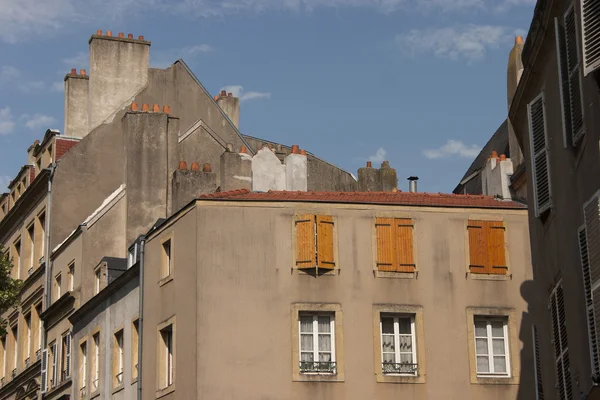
(384, 198)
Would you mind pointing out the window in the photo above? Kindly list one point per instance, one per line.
(542, 192)
(315, 242)
(57, 283)
(132, 255)
(4, 352)
(65, 356)
(167, 267)
(395, 244)
(82, 369)
(398, 344)
(44, 371)
(97, 279)
(317, 343)
(27, 351)
(591, 48)
(166, 356)
(53, 370)
(491, 347)
(15, 340)
(31, 234)
(561, 346)
(40, 333)
(487, 254)
(134, 348)
(96, 364)
(71, 276)
(118, 359)
(42, 219)
(537, 365)
(17, 258)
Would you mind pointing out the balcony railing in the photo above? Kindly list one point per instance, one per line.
(317, 367)
(399, 368)
(82, 392)
(119, 377)
(38, 354)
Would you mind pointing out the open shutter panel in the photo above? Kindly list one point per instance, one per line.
(44, 377)
(563, 74)
(572, 52)
(539, 155)
(386, 244)
(404, 245)
(477, 247)
(325, 256)
(496, 248)
(305, 242)
(54, 365)
(68, 355)
(590, 23)
(589, 301)
(591, 212)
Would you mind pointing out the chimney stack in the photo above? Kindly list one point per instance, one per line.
(230, 105)
(76, 104)
(412, 184)
(368, 179)
(389, 179)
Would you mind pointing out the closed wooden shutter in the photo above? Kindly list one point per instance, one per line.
(478, 257)
(572, 52)
(563, 75)
(591, 212)
(561, 347)
(386, 244)
(496, 248)
(404, 245)
(325, 255)
(590, 22)
(537, 363)
(589, 301)
(539, 155)
(68, 355)
(305, 242)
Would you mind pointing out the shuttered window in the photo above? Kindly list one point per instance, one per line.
(561, 346)
(590, 22)
(44, 377)
(589, 300)
(314, 242)
(395, 244)
(537, 364)
(590, 263)
(539, 155)
(487, 251)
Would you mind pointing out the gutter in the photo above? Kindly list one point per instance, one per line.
(47, 264)
(141, 317)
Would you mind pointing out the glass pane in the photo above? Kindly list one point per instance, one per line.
(405, 343)
(481, 346)
(389, 358)
(306, 324)
(406, 358)
(498, 346)
(482, 364)
(480, 328)
(387, 325)
(387, 343)
(324, 357)
(324, 324)
(324, 342)
(306, 342)
(404, 326)
(497, 329)
(500, 364)
(307, 357)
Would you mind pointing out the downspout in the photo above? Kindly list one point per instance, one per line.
(141, 317)
(47, 267)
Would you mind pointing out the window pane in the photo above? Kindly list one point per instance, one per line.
(324, 342)
(307, 357)
(387, 325)
(325, 357)
(405, 343)
(387, 342)
(497, 329)
(324, 324)
(481, 346)
(498, 346)
(306, 324)
(480, 328)
(389, 358)
(500, 364)
(306, 342)
(483, 364)
(404, 326)
(406, 358)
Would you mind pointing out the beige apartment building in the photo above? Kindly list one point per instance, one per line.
(366, 295)
(555, 114)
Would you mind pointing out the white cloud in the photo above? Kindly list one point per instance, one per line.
(453, 148)
(38, 121)
(164, 58)
(7, 125)
(238, 91)
(11, 76)
(468, 42)
(4, 181)
(379, 156)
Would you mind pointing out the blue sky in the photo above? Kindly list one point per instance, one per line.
(421, 83)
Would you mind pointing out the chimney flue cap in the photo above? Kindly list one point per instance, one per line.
(82, 72)
(243, 150)
(413, 178)
(519, 40)
(385, 164)
(223, 93)
(73, 71)
(369, 164)
(182, 165)
(295, 149)
(130, 36)
(195, 166)
(229, 147)
(140, 37)
(502, 157)
(206, 168)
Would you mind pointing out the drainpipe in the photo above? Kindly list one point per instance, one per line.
(47, 267)
(141, 317)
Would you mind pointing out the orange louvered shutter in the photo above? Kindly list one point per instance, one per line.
(404, 245)
(305, 241)
(325, 256)
(386, 242)
(478, 259)
(496, 250)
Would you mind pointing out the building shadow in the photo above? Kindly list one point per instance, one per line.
(527, 376)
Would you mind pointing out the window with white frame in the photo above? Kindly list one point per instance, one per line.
(83, 369)
(118, 358)
(317, 343)
(71, 276)
(166, 357)
(97, 279)
(96, 366)
(65, 354)
(398, 344)
(491, 347)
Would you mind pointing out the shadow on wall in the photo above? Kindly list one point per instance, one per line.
(527, 379)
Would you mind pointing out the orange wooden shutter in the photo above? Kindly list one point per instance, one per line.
(496, 250)
(305, 241)
(325, 257)
(478, 259)
(386, 244)
(404, 245)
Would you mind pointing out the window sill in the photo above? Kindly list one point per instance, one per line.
(313, 271)
(395, 275)
(390, 378)
(118, 388)
(165, 280)
(165, 391)
(317, 378)
(489, 277)
(487, 380)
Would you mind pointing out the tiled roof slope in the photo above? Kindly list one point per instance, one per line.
(383, 198)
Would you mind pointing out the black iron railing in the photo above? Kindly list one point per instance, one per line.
(317, 367)
(399, 368)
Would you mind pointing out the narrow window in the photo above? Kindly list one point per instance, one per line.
(395, 244)
(4, 352)
(97, 278)
(96, 366)
(42, 219)
(53, 367)
(40, 331)
(31, 234)
(28, 340)
(15, 340)
(537, 365)
(71, 276)
(314, 242)
(166, 365)
(398, 344)
(487, 252)
(591, 30)
(317, 343)
(491, 347)
(17, 259)
(561, 345)
(57, 283)
(167, 262)
(118, 358)
(82, 369)
(134, 348)
(538, 146)
(66, 356)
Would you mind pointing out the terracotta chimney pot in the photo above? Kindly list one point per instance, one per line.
(73, 71)
(369, 164)
(82, 72)
(295, 149)
(145, 107)
(195, 166)
(206, 168)
(494, 154)
(130, 36)
(303, 152)
(140, 37)
(121, 35)
(243, 150)
(108, 33)
(134, 106)
(182, 165)
(155, 108)
(99, 32)
(502, 157)
(167, 109)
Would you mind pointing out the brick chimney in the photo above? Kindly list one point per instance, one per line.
(118, 70)
(371, 179)
(76, 103)
(495, 177)
(230, 105)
